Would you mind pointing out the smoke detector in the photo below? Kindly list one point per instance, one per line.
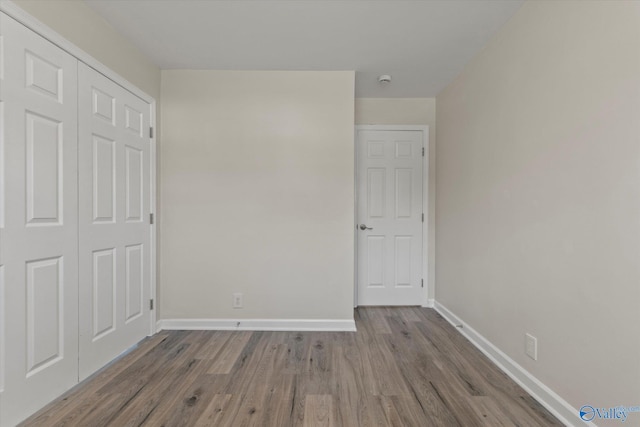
(385, 78)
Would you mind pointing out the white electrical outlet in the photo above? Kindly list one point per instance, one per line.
(531, 346)
(237, 300)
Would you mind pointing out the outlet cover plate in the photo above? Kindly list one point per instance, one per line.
(531, 346)
(237, 300)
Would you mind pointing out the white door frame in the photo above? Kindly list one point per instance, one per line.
(46, 32)
(425, 202)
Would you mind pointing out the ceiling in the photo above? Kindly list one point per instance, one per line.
(422, 44)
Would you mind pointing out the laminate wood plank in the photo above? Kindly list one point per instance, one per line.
(138, 373)
(247, 363)
(229, 353)
(409, 314)
(256, 378)
(393, 417)
(526, 412)
(461, 366)
(403, 367)
(130, 380)
(413, 412)
(489, 412)
(418, 371)
(214, 411)
(184, 367)
(436, 410)
(279, 401)
(232, 415)
(151, 406)
(376, 321)
(407, 340)
(297, 351)
(317, 376)
(371, 365)
(215, 343)
(318, 411)
(456, 400)
(264, 387)
(185, 406)
(386, 376)
(86, 391)
(262, 381)
(347, 382)
(477, 371)
(370, 413)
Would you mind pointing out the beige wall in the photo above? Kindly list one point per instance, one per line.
(257, 194)
(79, 24)
(396, 111)
(538, 182)
(408, 111)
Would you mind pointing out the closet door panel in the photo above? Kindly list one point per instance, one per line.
(3, 318)
(38, 221)
(114, 198)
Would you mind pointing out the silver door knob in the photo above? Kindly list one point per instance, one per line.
(364, 227)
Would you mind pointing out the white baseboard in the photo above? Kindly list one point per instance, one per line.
(430, 303)
(257, 324)
(555, 404)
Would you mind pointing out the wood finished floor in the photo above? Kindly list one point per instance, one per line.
(404, 367)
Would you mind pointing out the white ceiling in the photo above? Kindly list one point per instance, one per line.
(422, 44)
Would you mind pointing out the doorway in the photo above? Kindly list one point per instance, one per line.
(391, 168)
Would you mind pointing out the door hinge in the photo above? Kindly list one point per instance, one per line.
(422, 217)
(422, 283)
(150, 304)
(422, 151)
(151, 136)
(151, 219)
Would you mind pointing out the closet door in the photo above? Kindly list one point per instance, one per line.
(39, 221)
(114, 197)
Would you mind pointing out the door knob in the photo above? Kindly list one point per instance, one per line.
(364, 227)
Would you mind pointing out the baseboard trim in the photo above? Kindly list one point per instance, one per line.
(257, 324)
(430, 303)
(555, 404)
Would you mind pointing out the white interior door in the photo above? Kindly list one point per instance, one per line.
(390, 217)
(114, 198)
(38, 218)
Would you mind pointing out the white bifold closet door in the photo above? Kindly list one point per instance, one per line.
(114, 199)
(39, 221)
(75, 236)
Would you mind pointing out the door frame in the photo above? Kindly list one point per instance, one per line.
(426, 302)
(49, 34)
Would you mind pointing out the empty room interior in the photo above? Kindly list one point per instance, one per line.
(319, 213)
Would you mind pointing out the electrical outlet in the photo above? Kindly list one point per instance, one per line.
(237, 300)
(531, 346)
